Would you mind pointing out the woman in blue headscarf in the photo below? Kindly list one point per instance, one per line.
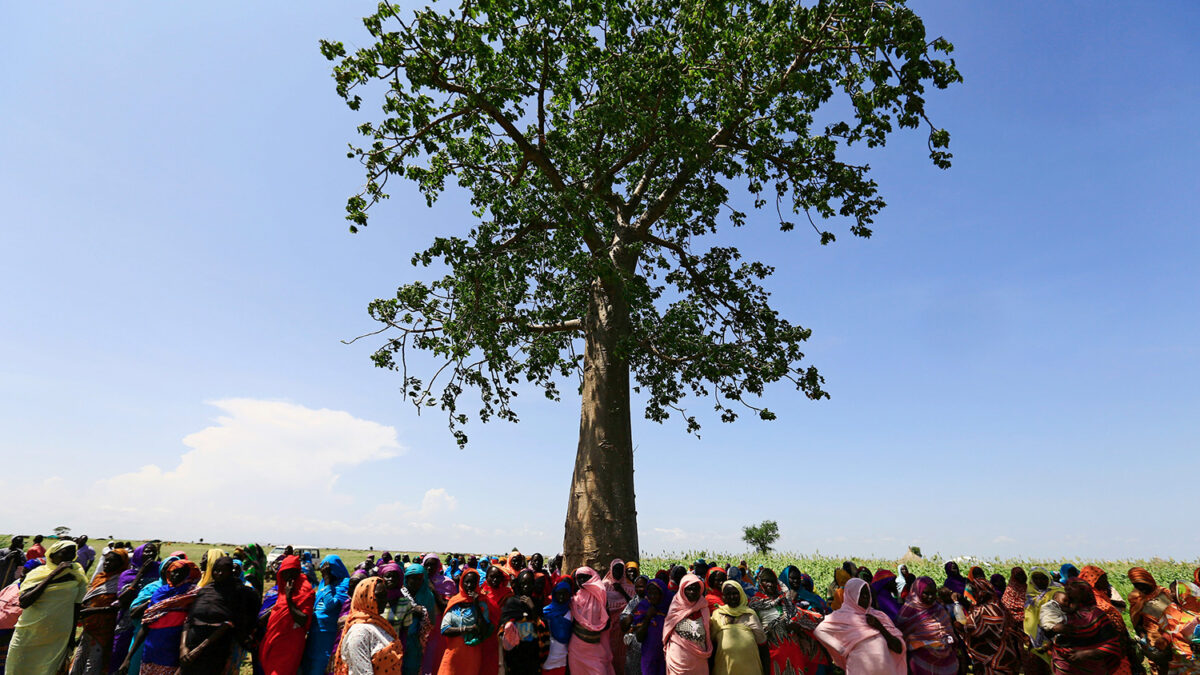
(138, 609)
(419, 591)
(558, 620)
(333, 592)
(736, 574)
(1067, 572)
(801, 586)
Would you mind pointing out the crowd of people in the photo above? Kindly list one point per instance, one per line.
(140, 611)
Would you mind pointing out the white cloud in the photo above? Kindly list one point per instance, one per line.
(222, 486)
(256, 474)
(255, 444)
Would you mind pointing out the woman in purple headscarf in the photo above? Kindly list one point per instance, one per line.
(143, 570)
(928, 631)
(883, 587)
(442, 585)
(955, 581)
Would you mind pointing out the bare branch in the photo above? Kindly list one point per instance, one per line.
(562, 327)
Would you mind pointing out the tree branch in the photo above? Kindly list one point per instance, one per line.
(562, 327)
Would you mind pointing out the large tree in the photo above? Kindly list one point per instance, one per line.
(601, 142)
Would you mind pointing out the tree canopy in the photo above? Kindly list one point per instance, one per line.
(603, 141)
(761, 536)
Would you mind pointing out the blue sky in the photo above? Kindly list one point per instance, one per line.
(1012, 356)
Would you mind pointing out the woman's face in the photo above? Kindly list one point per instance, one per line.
(222, 569)
(562, 595)
(731, 597)
(177, 575)
(470, 582)
(793, 579)
(581, 579)
(864, 598)
(952, 568)
(381, 593)
(354, 581)
(413, 583)
(495, 577)
(1144, 588)
(768, 583)
(692, 592)
(639, 586)
(63, 555)
(618, 571)
(150, 552)
(718, 577)
(393, 579)
(523, 584)
(430, 566)
(537, 562)
(928, 595)
(653, 594)
(518, 561)
(112, 562)
(1102, 583)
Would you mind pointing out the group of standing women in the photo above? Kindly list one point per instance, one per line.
(142, 614)
(136, 614)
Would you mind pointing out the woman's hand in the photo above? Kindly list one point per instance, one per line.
(874, 622)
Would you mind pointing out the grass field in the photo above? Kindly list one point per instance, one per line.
(821, 568)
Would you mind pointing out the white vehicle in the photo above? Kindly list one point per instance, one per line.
(277, 553)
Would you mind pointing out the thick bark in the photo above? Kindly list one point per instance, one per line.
(601, 515)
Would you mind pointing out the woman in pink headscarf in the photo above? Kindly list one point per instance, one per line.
(862, 640)
(444, 588)
(588, 652)
(618, 591)
(686, 637)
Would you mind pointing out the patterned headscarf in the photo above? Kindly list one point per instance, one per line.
(364, 610)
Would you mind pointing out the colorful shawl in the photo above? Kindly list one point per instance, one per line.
(364, 610)
(993, 641)
(1090, 629)
(1014, 597)
(928, 633)
(164, 618)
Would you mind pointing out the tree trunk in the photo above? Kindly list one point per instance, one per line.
(601, 515)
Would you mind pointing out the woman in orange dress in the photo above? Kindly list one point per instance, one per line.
(1165, 625)
(465, 625)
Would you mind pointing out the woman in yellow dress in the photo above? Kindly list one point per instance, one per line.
(50, 598)
(737, 634)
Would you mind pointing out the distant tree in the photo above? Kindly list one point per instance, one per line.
(761, 536)
(62, 531)
(604, 148)
(915, 550)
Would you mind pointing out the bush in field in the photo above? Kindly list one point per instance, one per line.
(761, 536)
